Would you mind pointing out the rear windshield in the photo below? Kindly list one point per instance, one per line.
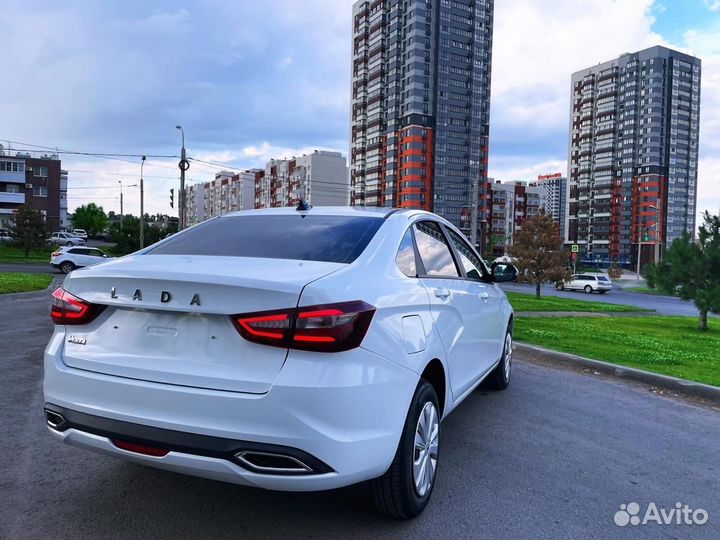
(339, 239)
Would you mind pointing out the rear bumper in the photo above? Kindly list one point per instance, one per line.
(343, 410)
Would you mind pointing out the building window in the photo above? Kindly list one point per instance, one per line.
(12, 166)
(40, 172)
(40, 191)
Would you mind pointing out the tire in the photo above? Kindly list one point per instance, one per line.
(588, 289)
(396, 493)
(602, 292)
(499, 377)
(560, 286)
(69, 244)
(66, 267)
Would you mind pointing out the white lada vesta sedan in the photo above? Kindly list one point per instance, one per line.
(284, 349)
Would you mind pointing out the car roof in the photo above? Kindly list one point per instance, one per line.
(369, 211)
(366, 211)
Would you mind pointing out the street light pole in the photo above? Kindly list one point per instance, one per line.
(184, 166)
(657, 232)
(142, 205)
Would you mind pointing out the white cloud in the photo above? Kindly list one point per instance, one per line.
(507, 168)
(712, 5)
(538, 44)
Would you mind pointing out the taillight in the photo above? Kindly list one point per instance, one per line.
(56, 254)
(67, 308)
(329, 328)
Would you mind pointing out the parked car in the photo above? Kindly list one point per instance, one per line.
(284, 349)
(104, 236)
(5, 237)
(67, 259)
(80, 233)
(66, 239)
(589, 283)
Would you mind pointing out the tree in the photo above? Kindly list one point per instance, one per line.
(615, 271)
(537, 251)
(128, 240)
(29, 230)
(692, 269)
(92, 218)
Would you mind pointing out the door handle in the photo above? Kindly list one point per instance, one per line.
(484, 295)
(442, 292)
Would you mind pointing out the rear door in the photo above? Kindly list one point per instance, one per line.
(455, 304)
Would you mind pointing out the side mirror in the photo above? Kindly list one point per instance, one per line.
(503, 272)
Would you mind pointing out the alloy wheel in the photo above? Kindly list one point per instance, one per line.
(425, 453)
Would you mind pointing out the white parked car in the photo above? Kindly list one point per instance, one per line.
(589, 283)
(67, 259)
(5, 237)
(66, 239)
(80, 233)
(282, 349)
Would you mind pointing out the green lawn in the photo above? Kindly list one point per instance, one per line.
(668, 345)
(645, 290)
(528, 302)
(13, 282)
(12, 254)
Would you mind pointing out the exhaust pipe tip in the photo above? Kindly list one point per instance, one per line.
(270, 463)
(54, 420)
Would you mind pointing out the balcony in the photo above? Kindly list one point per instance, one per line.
(13, 177)
(13, 198)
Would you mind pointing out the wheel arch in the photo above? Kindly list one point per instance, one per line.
(434, 373)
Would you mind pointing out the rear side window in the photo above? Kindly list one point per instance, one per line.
(339, 239)
(603, 278)
(405, 258)
(434, 250)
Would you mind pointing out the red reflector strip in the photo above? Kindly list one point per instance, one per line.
(315, 339)
(140, 448)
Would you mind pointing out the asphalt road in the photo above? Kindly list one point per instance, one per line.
(40, 268)
(554, 456)
(664, 305)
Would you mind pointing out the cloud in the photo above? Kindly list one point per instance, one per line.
(712, 5)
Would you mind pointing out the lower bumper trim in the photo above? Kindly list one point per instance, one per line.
(180, 441)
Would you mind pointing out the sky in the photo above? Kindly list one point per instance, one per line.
(250, 81)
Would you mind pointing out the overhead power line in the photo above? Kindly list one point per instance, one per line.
(76, 152)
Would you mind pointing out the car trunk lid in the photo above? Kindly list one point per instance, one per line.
(167, 318)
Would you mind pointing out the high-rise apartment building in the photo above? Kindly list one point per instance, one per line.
(633, 153)
(319, 178)
(555, 187)
(420, 104)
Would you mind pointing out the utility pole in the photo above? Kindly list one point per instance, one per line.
(184, 165)
(142, 205)
(121, 205)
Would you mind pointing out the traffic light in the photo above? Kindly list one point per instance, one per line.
(172, 198)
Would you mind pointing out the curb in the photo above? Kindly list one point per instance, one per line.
(681, 386)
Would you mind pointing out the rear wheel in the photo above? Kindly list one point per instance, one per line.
(588, 289)
(560, 286)
(499, 378)
(69, 244)
(67, 267)
(405, 489)
(602, 292)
